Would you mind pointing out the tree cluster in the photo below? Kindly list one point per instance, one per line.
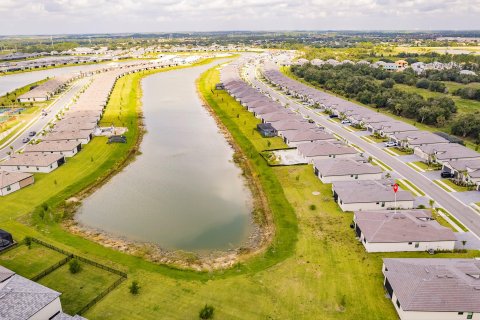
(361, 83)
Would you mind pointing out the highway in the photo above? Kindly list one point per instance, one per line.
(39, 122)
(465, 214)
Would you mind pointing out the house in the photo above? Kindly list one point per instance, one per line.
(467, 171)
(279, 116)
(296, 137)
(32, 162)
(359, 195)
(13, 181)
(401, 65)
(23, 299)
(445, 152)
(312, 151)
(407, 230)
(427, 289)
(82, 136)
(345, 169)
(388, 128)
(6, 240)
(289, 125)
(62, 147)
(412, 139)
(266, 130)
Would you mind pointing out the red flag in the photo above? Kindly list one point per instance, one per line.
(395, 188)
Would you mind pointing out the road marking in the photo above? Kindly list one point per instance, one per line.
(414, 166)
(390, 152)
(443, 184)
(367, 139)
(408, 185)
(475, 206)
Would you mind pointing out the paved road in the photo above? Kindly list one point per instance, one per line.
(41, 121)
(464, 213)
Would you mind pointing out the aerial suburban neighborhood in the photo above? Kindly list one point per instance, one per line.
(316, 160)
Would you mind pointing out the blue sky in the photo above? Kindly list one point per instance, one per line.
(99, 16)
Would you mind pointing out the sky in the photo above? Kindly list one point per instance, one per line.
(116, 16)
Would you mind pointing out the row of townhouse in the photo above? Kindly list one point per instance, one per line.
(430, 147)
(76, 127)
(418, 288)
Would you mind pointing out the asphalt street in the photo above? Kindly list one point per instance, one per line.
(464, 213)
(38, 123)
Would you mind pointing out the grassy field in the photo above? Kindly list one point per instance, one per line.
(315, 268)
(80, 288)
(463, 105)
(30, 262)
(424, 166)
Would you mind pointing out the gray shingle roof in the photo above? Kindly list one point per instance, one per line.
(435, 285)
(21, 298)
(367, 191)
(406, 226)
(307, 135)
(315, 149)
(341, 167)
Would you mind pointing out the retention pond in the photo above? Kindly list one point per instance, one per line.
(184, 191)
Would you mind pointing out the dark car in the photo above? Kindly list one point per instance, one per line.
(32, 133)
(117, 139)
(333, 116)
(25, 140)
(446, 174)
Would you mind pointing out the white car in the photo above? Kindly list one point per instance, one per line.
(390, 144)
(346, 122)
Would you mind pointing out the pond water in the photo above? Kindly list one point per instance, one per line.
(183, 191)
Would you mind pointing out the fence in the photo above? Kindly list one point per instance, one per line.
(51, 268)
(12, 246)
(101, 295)
(123, 275)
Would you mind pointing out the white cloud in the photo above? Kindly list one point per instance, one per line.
(66, 16)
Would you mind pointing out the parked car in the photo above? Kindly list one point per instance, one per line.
(25, 140)
(346, 122)
(32, 133)
(446, 174)
(390, 144)
(311, 121)
(333, 116)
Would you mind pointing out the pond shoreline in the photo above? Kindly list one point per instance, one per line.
(259, 236)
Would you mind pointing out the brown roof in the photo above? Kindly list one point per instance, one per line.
(52, 146)
(9, 178)
(435, 285)
(32, 159)
(404, 226)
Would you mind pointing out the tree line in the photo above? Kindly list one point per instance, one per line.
(374, 87)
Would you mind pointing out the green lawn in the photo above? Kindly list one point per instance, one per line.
(405, 184)
(30, 262)
(452, 185)
(454, 220)
(424, 166)
(441, 220)
(80, 288)
(401, 152)
(315, 268)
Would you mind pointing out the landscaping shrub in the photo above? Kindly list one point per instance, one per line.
(207, 312)
(74, 266)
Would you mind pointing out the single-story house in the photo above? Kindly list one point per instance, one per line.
(67, 148)
(345, 169)
(82, 136)
(445, 152)
(279, 116)
(296, 137)
(359, 195)
(13, 181)
(386, 129)
(292, 125)
(312, 151)
(32, 162)
(22, 298)
(413, 139)
(427, 289)
(461, 169)
(266, 130)
(407, 230)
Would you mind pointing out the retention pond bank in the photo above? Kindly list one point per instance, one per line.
(183, 192)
